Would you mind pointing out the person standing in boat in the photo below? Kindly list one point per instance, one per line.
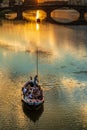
(36, 81)
(29, 82)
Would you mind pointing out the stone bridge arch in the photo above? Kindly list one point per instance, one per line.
(81, 11)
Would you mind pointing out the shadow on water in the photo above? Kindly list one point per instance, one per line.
(33, 115)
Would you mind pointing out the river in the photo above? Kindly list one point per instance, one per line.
(62, 74)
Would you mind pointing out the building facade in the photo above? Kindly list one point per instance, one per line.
(78, 2)
(30, 1)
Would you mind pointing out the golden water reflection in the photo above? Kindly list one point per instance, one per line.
(28, 36)
(27, 42)
(83, 109)
(33, 15)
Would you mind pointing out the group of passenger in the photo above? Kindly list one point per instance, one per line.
(32, 89)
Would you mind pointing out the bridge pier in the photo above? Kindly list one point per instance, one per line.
(82, 17)
(82, 20)
(19, 14)
(48, 17)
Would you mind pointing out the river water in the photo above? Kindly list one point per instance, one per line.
(62, 74)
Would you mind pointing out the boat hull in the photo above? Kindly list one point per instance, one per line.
(33, 104)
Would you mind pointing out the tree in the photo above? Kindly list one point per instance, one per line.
(1, 1)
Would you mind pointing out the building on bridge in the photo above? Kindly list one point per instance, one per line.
(30, 2)
(15, 2)
(56, 2)
(77, 2)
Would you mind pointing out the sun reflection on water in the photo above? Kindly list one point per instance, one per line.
(27, 38)
(34, 15)
(37, 14)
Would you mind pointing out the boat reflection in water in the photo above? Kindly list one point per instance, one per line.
(34, 115)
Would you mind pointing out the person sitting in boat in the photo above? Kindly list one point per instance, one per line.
(29, 93)
(36, 81)
(40, 93)
(24, 90)
(37, 93)
(32, 92)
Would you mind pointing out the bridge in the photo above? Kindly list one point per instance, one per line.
(48, 8)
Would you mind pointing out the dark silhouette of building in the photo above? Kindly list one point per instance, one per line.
(1, 2)
(30, 2)
(11, 2)
(77, 2)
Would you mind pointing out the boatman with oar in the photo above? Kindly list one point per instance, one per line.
(36, 81)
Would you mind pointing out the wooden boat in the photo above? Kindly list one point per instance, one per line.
(33, 103)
